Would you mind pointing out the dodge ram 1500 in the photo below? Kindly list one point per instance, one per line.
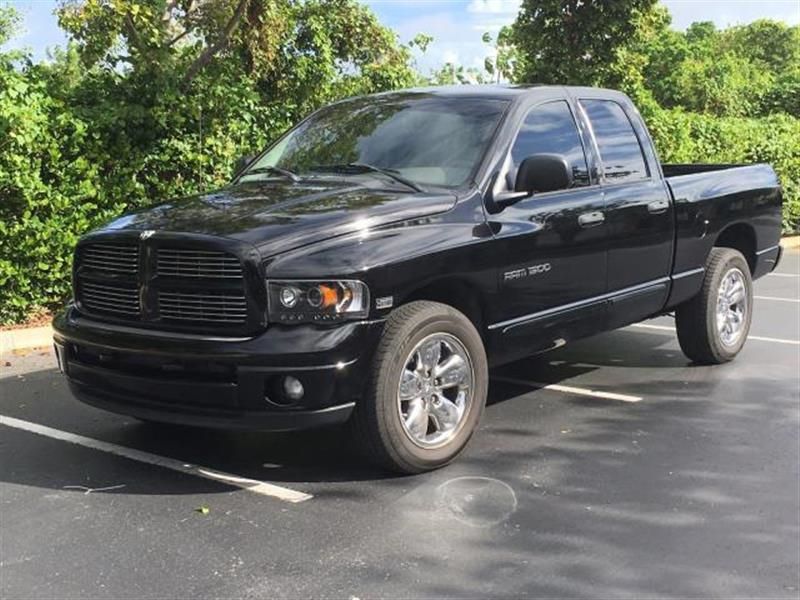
(374, 262)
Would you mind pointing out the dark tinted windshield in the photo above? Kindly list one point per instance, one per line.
(424, 138)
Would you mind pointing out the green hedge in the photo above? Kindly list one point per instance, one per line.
(683, 137)
(66, 169)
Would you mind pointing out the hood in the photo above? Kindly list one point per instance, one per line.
(277, 216)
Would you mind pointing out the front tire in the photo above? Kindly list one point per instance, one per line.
(713, 326)
(427, 389)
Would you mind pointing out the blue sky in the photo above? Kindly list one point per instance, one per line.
(456, 25)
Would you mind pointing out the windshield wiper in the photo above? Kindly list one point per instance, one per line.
(294, 177)
(364, 167)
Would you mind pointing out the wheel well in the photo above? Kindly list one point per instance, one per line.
(456, 293)
(740, 237)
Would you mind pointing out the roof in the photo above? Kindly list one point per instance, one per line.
(507, 92)
(494, 91)
(479, 90)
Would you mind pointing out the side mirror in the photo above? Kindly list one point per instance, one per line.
(543, 173)
(241, 163)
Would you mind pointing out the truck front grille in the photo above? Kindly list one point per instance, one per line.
(159, 283)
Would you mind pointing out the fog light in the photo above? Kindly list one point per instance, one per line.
(292, 388)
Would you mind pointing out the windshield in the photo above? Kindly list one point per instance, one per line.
(421, 137)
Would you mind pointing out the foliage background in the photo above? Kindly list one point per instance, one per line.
(154, 99)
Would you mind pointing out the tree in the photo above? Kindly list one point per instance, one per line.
(179, 88)
(770, 44)
(9, 19)
(453, 74)
(503, 60)
(573, 41)
(333, 39)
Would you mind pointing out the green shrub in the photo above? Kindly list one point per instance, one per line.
(682, 137)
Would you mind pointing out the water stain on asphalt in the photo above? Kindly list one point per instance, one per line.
(477, 501)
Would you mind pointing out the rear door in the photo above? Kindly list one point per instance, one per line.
(551, 246)
(638, 215)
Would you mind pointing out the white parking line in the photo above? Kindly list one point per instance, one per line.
(567, 389)
(776, 299)
(782, 275)
(749, 337)
(251, 485)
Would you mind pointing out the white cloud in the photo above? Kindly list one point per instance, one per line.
(494, 6)
(450, 56)
(492, 25)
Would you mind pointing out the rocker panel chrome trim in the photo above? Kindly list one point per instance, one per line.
(505, 325)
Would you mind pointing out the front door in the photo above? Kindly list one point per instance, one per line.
(551, 246)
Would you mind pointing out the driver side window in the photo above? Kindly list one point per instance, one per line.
(550, 129)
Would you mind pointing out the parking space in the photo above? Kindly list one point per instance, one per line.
(610, 467)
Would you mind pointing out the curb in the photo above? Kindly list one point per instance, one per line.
(791, 243)
(18, 339)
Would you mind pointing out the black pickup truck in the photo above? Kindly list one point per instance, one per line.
(375, 261)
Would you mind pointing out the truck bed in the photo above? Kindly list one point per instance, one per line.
(711, 197)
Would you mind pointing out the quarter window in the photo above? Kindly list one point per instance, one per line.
(619, 147)
(550, 129)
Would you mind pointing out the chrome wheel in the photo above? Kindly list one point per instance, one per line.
(435, 390)
(732, 307)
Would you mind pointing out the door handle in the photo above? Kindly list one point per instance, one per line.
(658, 207)
(591, 219)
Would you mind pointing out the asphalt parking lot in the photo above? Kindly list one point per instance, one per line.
(608, 468)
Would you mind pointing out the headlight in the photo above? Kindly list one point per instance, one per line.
(317, 301)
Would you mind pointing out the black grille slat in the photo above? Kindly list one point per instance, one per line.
(200, 299)
(121, 253)
(208, 264)
(114, 308)
(95, 266)
(111, 303)
(125, 297)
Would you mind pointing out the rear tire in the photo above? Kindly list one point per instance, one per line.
(713, 326)
(426, 392)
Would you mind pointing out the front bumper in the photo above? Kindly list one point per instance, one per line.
(217, 381)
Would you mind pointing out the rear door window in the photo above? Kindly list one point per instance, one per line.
(617, 142)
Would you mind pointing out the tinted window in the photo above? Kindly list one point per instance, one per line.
(619, 147)
(550, 129)
(426, 138)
